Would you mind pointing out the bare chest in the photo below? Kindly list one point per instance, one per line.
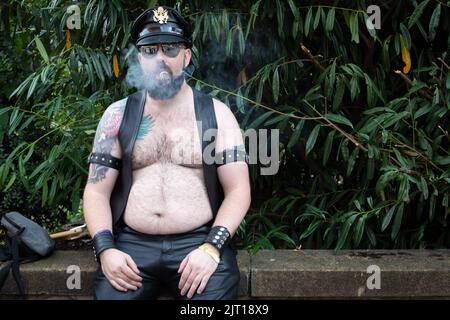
(168, 138)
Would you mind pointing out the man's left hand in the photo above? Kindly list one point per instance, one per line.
(196, 269)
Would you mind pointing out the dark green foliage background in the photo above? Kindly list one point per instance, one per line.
(364, 150)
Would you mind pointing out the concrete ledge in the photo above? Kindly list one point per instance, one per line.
(48, 278)
(322, 274)
(276, 274)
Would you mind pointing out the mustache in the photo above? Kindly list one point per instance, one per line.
(162, 67)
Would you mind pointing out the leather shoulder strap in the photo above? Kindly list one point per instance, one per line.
(132, 117)
(206, 119)
(128, 130)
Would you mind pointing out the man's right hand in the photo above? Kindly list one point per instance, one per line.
(120, 270)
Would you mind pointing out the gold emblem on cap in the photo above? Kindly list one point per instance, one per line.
(160, 15)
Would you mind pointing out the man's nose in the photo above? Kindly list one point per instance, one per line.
(160, 54)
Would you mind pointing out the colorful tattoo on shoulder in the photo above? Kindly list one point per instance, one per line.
(146, 125)
(107, 132)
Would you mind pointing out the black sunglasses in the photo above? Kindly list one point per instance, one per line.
(171, 50)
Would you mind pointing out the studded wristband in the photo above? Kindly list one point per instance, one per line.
(102, 240)
(218, 236)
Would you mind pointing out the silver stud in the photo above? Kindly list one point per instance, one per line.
(220, 232)
(219, 246)
(222, 229)
(217, 237)
(215, 241)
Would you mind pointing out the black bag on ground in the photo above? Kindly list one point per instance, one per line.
(25, 241)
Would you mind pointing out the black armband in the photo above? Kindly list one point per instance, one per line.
(106, 160)
(219, 237)
(102, 240)
(231, 155)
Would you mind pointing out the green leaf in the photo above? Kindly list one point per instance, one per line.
(442, 160)
(229, 44)
(276, 85)
(397, 222)
(354, 88)
(333, 74)
(445, 201)
(260, 119)
(285, 237)
(312, 139)
(11, 181)
(387, 218)
(327, 147)
(259, 93)
(311, 228)
(296, 134)
(434, 22)
(240, 101)
(308, 21)
(360, 225)
(385, 57)
(424, 188)
(294, 10)
(41, 49)
(97, 66)
(351, 161)
(44, 193)
(417, 13)
(276, 119)
(357, 204)
(339, 119)
(370, 92)
(432, 207)
(241, 41)
(354, 27)
(371, 236)
(406, 36)
(339, 94)
(295, 27)
(280, 18)
(317, 18)
(330, 20)
(33, 86)
(344, 231)
(30, 152)
(38, 169)
(344, 149)
(52, 194)
(403, 190)
(22, 86)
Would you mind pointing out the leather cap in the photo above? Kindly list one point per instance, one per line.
(161, 24)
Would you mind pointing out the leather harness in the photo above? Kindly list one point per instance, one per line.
(206, 119)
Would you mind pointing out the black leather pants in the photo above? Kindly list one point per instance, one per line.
(158, 258)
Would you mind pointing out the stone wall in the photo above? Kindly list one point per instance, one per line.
(274, 274)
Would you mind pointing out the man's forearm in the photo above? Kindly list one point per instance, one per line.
(97, 212)
(233, 209)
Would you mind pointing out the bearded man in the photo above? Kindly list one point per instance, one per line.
(162, 203)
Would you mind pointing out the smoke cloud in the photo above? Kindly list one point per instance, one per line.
(160, 82)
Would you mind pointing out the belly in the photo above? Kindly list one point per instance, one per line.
(167, 198)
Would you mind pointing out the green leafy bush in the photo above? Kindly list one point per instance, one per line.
(363, 114)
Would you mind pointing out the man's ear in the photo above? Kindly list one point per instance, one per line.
(187, 56)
